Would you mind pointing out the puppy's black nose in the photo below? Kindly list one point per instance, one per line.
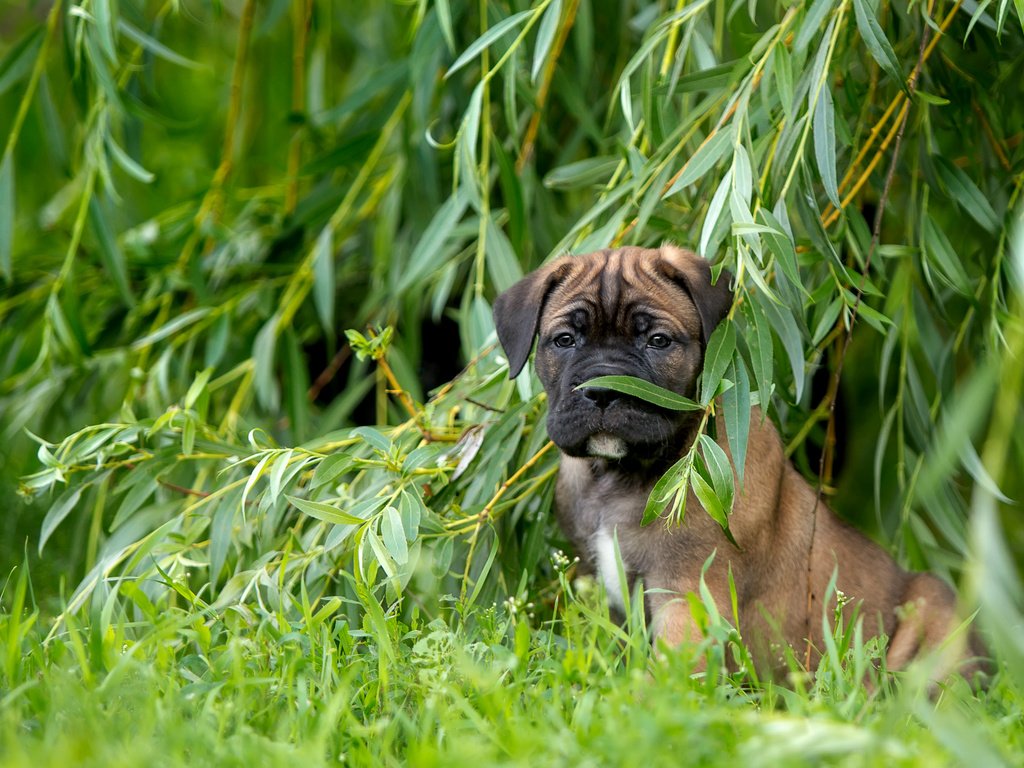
(600, 396)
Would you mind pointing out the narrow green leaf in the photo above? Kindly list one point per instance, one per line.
(670, 484)
(881, 444)
(784, 77)
(277, 473)
(744, 226)
(466, 146)
(708, 498)
(782, 248)
(57, 513)
(702, 161)
(717, 507)
(762, 350)
(486, 39)
(939, 252)
(381, 555)
(715, 210)
(972, 463)
(643, 390)
(393, 534)
(323, 279)
(330, 468)
(6, 215)
(322, 511)
(17, 64)
(720, 471)
(429, 254)
(930, 98)
(709, 79)
(173, 326)
(155, 47)
(110, 252)
(373, 437)
(545, 37)
(827, 320)
(221, 526)
(295, 375)
(188, 434)
(967, 194)
(878, 44)
(721, 347)
(743, 177)
(812, 21)
(128, 165)
(792, 341)
(264, 351)
(412, 510)
(1019, 5)
(197, 386)
(736, 409)
(825, 144)
(255, 475)
(444, 18)
(103, 14)
(582, 173)
(135, 497)
(502, 265)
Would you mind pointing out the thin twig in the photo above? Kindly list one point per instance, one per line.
(183, 490)
(483, 514)
(834, 384)
(328, 373)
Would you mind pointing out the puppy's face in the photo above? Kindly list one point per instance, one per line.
(638, 312)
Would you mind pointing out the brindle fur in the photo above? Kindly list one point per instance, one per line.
(611, 302)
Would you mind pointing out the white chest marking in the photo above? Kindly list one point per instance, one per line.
(607, 446)
(603, 546)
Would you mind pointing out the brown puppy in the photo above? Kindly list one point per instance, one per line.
(649, 313)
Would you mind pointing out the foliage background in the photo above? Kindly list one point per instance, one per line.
(197, 198)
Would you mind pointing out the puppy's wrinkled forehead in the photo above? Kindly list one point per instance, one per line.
(610, 292)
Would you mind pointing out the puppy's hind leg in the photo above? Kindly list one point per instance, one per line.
(926, 619)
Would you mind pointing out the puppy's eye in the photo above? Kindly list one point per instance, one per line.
(565, 340)
(659, 341)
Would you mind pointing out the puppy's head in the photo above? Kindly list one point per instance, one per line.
(631, 311)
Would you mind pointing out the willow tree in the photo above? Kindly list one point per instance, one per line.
(195, 205)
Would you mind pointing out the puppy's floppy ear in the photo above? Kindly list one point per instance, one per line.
(517, 313)
(693, 273)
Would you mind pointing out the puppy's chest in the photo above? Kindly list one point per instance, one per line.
(603, 520)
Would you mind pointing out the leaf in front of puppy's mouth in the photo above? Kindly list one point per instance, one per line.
(643, 390)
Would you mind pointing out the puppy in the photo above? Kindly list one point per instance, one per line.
(649, 313)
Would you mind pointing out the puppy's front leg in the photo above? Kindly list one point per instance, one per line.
(672, 623)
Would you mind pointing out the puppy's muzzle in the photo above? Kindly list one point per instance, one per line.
(602, 397)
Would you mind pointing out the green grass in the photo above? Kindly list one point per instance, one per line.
(278, 685)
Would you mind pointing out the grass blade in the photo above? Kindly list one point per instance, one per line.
(6, 215)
